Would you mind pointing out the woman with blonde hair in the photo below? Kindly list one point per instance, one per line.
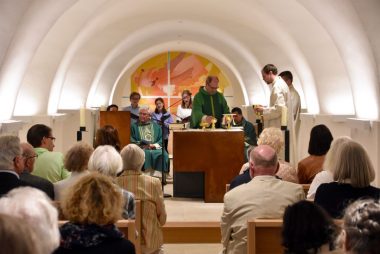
(75, 161)
(274, 138)
(148, 190)
(353, 174)
(93, 205)
(326, 175)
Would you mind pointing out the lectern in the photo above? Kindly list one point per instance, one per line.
(205, 161)
(120, 120)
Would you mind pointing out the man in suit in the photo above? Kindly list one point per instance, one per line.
(11, 164)
(40, 183)
(265, 196)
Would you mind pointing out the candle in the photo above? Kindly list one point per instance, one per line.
(82, 117)
(284, 116)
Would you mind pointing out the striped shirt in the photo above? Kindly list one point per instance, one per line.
(148, 190)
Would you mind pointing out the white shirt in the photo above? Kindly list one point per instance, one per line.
(324, 176)
(183, 112)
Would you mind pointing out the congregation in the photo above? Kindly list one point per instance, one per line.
(93, 187)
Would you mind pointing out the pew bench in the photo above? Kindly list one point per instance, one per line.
(177, 232)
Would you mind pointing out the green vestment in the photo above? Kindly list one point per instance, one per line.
(206, 104)
(150, 133)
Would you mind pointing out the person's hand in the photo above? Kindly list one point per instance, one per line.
(152, 147)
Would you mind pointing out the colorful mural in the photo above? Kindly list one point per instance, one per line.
(187, 71)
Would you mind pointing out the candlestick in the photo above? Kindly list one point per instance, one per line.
(82, 117)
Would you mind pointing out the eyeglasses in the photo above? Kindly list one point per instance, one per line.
(52, 138)
(31, 157)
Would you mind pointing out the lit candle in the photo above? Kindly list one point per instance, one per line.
(284, 116)
(82, 117)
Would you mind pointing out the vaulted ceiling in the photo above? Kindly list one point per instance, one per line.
(68, 53)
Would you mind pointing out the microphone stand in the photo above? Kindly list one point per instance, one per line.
(162, 121)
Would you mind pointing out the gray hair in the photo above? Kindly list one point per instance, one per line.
(144, 107)
(361, 222)
(34, 207)
(133, 157)
(330, 159)
(106, 160)
(353, 164)
(9, 149)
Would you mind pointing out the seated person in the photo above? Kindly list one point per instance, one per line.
(108, 135)
(17, 237)
(326, 175)
(274, 138)
(148, 190)
(300, 234)
(250, 139)
(76, 161)
(264, 196)
(148, 136)
(34, 208)
(361, 226)
(353, 174)
(107, 161)
(93, 205)
(319, 145)
(113, 107)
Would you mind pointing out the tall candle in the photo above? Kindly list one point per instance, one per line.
(284, 116)
(82, 117)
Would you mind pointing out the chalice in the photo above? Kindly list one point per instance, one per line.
(213, 122)
(204, 125)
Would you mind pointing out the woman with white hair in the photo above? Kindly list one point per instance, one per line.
(148, 190)
(326, 175)
(274, 138)
(34, 208)
(107, 161)
(353, 174)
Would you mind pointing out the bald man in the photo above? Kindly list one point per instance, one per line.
(265, 196)
(35, 181)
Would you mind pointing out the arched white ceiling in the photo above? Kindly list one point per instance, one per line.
(69, 53)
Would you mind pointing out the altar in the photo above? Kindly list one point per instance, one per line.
(204, 161)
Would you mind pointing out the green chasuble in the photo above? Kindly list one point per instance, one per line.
(205, 104)
(150, 133)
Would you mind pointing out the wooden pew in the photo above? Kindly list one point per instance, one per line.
(192, 232)
(264, 236)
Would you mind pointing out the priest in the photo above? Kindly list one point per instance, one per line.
(209, 104)
(148, 135)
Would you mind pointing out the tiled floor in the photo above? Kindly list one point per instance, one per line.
(179, 209)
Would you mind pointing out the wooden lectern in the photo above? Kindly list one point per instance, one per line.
(218, 154)
(120, 120)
